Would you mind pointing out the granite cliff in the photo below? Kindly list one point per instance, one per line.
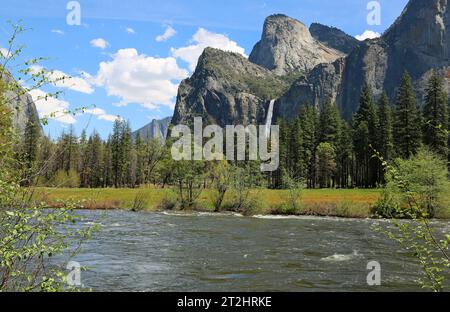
(296, 65)
(21, 104)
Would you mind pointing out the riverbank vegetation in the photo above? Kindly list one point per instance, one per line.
(414, 191)
(30, 235)
(320, 202)
(318, 150)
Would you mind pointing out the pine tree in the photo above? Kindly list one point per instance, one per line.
(361, 145)
(95, 156)
(140, 154)
(344, 153)
(330, 124)
(386, 136)
(69, 150)
(283, 152)
(83, 160)
(436, 116)
(126, 154)
(108, 180)
(309, 121)
(116, 151)
(326, 164)
(297, 144)
(366, 126)
(29, 150)
(407, 120)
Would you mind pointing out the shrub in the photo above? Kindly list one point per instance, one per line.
(188, 178)
(420, 182)
(167, 204)
(139, 202)
(387, 206)
(284, 210)
(221, 175)
(295, 189)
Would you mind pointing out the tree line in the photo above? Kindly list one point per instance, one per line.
(325, 151)
(90, 162)
(317, 147)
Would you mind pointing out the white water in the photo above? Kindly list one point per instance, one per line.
(340, 258)
(269, 118)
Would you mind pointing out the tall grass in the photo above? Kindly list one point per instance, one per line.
(345, 203)
(140, 201)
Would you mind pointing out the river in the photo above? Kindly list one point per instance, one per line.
(205, 252)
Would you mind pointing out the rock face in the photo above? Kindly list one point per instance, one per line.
(287, 46)
(22, 107)
(418, 42)
(227, 89)
(297, 66)
(156, 130)
(334, 38)
(320, 85)
(367, 64)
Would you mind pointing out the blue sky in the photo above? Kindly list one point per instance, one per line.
(128, 57)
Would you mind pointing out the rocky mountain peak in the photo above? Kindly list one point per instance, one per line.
(417, 42)
(423, 26)
(334, 38)
(219, 62)
(296, 65)
(156, 130)
(287, 46)
(225, 89)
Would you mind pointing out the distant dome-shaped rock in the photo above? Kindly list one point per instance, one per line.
(287, 46)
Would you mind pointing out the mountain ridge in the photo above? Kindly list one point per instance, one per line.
(417, 42)
(157, 129)
(287, 45)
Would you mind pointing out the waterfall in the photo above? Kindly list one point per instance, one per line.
(269, 118)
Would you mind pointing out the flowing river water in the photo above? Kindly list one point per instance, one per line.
(206, 252)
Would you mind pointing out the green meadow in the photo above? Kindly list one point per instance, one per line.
(354, 203)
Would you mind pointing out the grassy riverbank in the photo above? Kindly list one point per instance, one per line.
(355, 203)
(341, 203)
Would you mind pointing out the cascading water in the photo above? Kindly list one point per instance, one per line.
(269, 118)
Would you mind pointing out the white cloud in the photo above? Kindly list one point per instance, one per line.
(169, 33)
(201, 40)
(101, 114)
(99, 43)
(72, 83)
(130, 31)
(4, 53)
(58, 31)
(141, 79)
(52, 108)
(368, 34)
